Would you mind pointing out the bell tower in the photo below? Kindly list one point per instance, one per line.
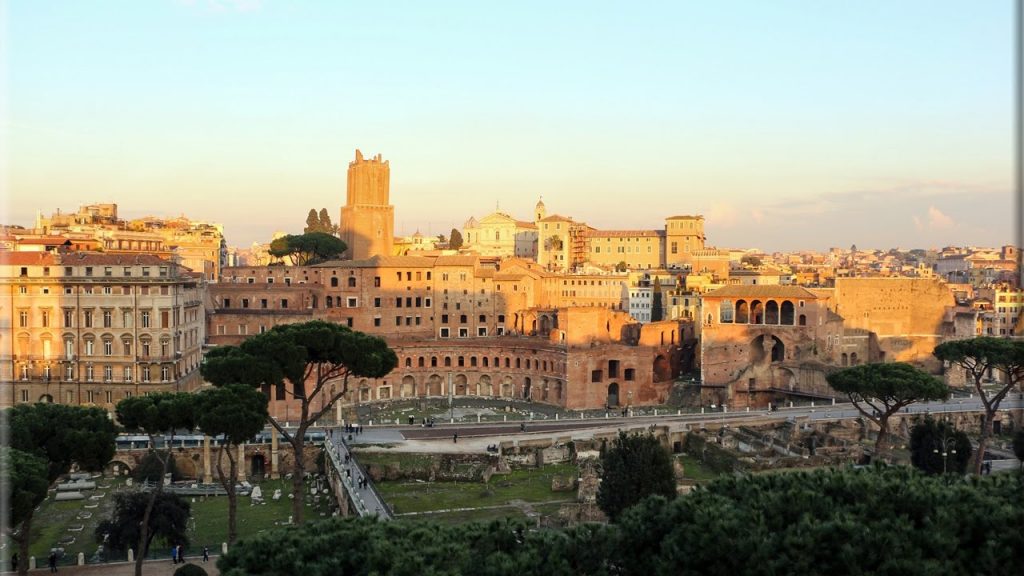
(367, 219)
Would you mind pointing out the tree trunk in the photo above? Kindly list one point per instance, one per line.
(986, 433)
(229, 487)
(232, 499)
(298, 473)
(23, 540)
(883, 432)
(144, 528)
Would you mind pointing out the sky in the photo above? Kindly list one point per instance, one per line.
(788, 125)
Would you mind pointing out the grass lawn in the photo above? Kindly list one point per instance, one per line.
(528, 485)
(694, 469)
(208, 525)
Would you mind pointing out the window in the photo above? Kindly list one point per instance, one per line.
(483, 318)
(163, 271)
(263, 303)
(629, 374)
(108, 347)
(376, 321)
(145, 374)
(69, 318)
(398, 320)
(352, 302)
(127, 345)
(351, 281)
(24, 395)
(108, 374)
(376, 302)
(108, 271)
(227, 303)
(88, 270)
(245, 302)
(88, 373)
(145, 319)
(165, 373)
(22, 289)
(463, 332)
(284, 303)
(108, 318)
(89, 347)
(462, 318)
(127, 271)
(426, 302)
(334, 282)
(481, 331)
(69, 271)
(23, 318)
(88, 318)
(145, 270)
(444, 318)
(398, 302)
(145, 346)
(69, 372)
(376, 281)
(69, 348)
(126, 319)
(445, 334)
(110, 395)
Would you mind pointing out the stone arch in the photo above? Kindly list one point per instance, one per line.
(778, 351)
(485, 388)
(662, 368)
(46, 399)
(460, 385)
(545, 324)
(557, 390)
(742, 312)
(508, 389)
(613, 394)
(771, 312)
(853, 359)
(364, 390)
(786, 313)
(408, 388)
(527, 387)
(844, 359)
(756, 312)
(434, 384)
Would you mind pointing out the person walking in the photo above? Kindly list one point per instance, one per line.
(181, 554)
(53, 561)
(206, 553)
(455, 438)
(174, 554)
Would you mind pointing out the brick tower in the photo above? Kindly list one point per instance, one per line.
(367, 220)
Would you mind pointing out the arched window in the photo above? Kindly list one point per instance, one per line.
(422, 360)
(408, 362)
(462, 361)
(334, 282)
(351, 281)
(330, 302)
(448, 361)
(803, 320)
(725, 312)
(433, 361)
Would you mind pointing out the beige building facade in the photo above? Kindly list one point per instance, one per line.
(93, 329)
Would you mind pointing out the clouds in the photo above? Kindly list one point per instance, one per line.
(936, 220)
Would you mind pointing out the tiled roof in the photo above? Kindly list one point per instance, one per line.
(99, 259)
(625, 233)
(27, 258)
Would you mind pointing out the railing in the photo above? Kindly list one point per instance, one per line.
(333, 452)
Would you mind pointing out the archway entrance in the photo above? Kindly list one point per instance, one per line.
(259, 464)
(613, 394)
(527, 385)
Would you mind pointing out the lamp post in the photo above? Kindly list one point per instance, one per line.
(946, 446)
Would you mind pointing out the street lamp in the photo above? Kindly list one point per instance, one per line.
(946, 446)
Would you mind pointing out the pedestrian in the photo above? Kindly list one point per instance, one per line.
(181, 554)
(53, 561)
(346, 458)
(206, 553)
(174, 554)
(455, 438)
(14, 562)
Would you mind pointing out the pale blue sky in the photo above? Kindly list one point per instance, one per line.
(787, 124)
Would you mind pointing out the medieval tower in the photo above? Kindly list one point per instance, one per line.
(367, 219)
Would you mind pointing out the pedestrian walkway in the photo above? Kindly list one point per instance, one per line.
(150, 568)
(358, 484)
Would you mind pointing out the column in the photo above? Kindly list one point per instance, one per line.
(207, 470)
(274, 472)
(241, 462)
